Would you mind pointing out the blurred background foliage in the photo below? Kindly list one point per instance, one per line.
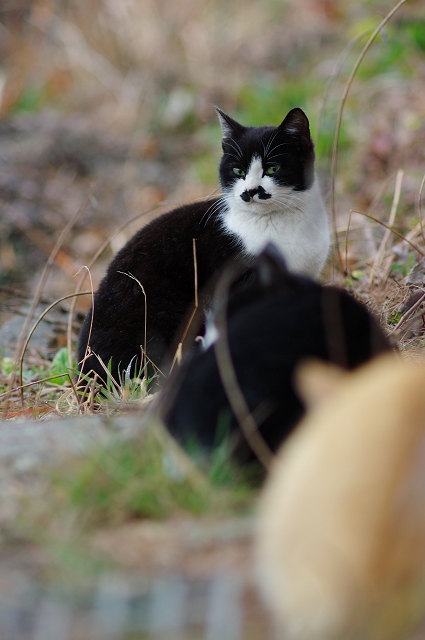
(115, 98)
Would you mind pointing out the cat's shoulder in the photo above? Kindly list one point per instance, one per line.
(196, 215)
(167, 242)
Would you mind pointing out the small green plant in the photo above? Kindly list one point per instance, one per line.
(394, 318)
(32, 99)
(130, 388)
(403, 268)
(219, 465)
(60, 366)
(42, 380)
(148, 478)
(110, 394)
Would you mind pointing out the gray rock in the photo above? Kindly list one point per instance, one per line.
(11, 330)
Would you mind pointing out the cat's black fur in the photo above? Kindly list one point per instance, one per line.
(160, 256)
(275, 320)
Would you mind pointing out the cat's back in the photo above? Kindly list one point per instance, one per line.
(179, 237)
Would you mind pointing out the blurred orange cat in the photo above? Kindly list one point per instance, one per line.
(341, 536)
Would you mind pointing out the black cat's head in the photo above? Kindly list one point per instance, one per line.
(260, 164)
(266, 275)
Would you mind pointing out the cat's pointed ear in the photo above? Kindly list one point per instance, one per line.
(271, 267)
(296, 123)
(230, 128)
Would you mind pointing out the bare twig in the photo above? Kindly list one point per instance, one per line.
(420, 208)
(346, 241)
(408, 313)
(195, 269)
(346, 230)
(380, 253)
(69, 330)
(40, 286)
(399, 235)
(179, 350)
(334, 76)
(228, 377)
(395, 337)
(96, 256)
(155, 366)
(130, 275)
(7, 393)
(104, 367)
(35, 325)
(340, 113)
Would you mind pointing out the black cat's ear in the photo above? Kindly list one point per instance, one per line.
(296, 123)
(230, 128)
(271, 267)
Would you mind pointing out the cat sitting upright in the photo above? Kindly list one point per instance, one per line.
(270, 192)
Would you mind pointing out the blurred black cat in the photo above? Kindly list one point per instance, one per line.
(274, 320)
(269, 193)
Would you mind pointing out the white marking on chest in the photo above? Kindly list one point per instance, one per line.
(211, 332)
(296, 221)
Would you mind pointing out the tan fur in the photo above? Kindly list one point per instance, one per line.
(317, 380)
(341, 538)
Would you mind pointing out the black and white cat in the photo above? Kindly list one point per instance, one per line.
(276, 196)
(274, 320)
(269, 193)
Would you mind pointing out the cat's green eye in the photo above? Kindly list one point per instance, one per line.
(238, 172)
(271, 170)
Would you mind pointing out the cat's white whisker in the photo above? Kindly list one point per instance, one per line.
(232, 155)
(268, 157)
(212, 209)
(270, 140)
(235, 146)
(289, 200)
(277, 155)
(292, 195)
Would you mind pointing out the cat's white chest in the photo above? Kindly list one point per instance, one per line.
(295, 221)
